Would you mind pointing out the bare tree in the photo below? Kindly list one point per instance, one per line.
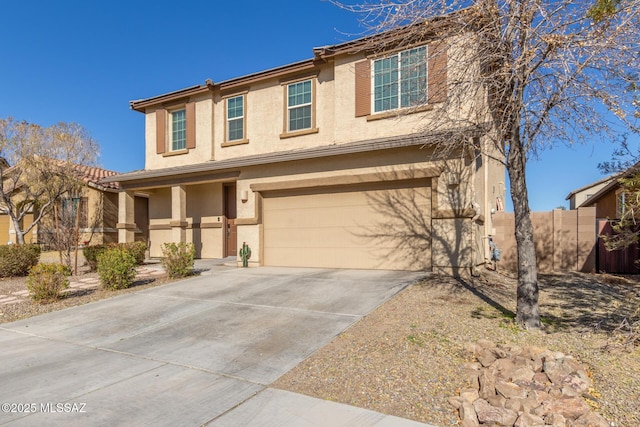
(535, 73)
(43, 168)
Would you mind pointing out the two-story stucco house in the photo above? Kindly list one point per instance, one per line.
(326, 162)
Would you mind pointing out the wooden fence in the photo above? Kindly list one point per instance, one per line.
(564, 240)
(622, 261)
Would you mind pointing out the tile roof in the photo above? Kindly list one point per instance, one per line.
(95, 175)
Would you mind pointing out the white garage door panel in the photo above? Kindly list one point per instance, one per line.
(348, 228)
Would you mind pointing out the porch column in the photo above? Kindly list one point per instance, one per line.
(178, 214)
(126, 217)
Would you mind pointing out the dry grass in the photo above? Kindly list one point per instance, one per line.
(405, 358)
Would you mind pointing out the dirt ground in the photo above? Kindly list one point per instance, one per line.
(405, 358)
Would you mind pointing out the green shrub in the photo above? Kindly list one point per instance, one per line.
(137, 249)
(116, 268)
(91, 254)
(178, 259)
(16, 260)
(46, 281)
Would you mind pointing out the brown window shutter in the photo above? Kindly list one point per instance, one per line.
(437, 72)
(190, 112)
(161, 129)
(363, 88)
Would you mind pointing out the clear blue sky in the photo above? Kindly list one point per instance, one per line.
(83, 61)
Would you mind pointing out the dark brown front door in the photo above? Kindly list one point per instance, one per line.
(231, 243)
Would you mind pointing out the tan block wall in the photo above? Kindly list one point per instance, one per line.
(564, 240)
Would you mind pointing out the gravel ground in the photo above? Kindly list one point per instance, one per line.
(27, 308)
(405, 358)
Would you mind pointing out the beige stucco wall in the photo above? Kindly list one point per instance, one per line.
(464, 187)
(334, 114)
(204, 136)
(204, 206)
(581, 196)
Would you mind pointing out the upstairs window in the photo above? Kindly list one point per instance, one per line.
(400, 80)
(178, 130)
(235, 118)
(299, 106)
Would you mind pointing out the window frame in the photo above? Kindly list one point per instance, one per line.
(402, 97)
(171, 131)
(244, 140)
(287, 108)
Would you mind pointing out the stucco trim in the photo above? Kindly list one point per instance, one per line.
(125, 226)
(303, 154)
(210, 225)
(345, 180)
(160, 226)
(233, 143)
(452, 214)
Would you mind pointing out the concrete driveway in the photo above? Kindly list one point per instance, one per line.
(198, 351)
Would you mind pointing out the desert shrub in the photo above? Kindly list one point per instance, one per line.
(47, 281)
(116, 268)
(137, 249)
(178, 259)
(91, 254)
(16, 260)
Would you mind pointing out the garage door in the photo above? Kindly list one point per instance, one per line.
(4, 229)
(381, 226)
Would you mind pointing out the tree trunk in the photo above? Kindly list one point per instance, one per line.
(527, 309)
(18, 232)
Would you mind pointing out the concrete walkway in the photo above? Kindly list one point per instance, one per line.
(201, 351)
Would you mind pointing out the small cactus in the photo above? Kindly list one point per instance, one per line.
(245, 254)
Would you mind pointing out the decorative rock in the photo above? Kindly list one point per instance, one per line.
(514, 404)
(469, 394)
(522, 374)
(573, 385)
(591, 419)
(540, 378)
(455, 401)
(497, 401)
(569, 407)
(468, 415)
(558, 369)
(510, 390)
(524, 387)
(556, 420)
(503, 367)
(485, 343)
(486, 357)
(487, 385)
(490, 414)
(529, 420)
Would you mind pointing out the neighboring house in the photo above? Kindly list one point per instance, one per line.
(97, 213)
(609, 203)
(578, 197)
(98, 209)
(7, 235)
(609, 198)
(316, 164)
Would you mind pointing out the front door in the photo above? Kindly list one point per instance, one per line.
(231, 242)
